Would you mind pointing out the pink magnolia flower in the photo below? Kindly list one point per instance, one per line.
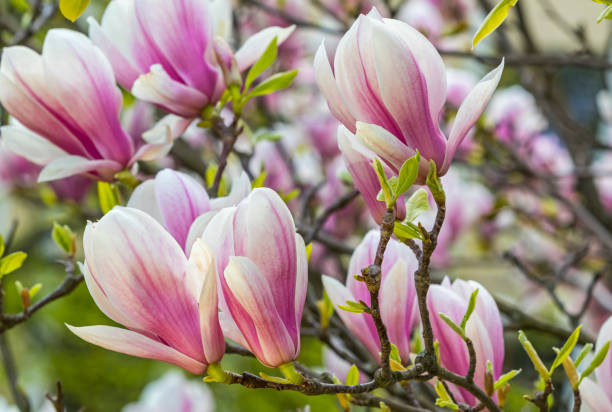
(484, 329)
(139, 276)
(177, 200)
(339, 367)
(69, 103)
(387, 87)
(164, 51)
(263, 274)
(423, 16)
(598, 396)
(398, 305)
(173, 393)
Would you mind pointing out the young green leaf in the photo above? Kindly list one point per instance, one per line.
(395, 354)
(384, 182)
(273, 83)
(606, 14)
(452, 325)
(1, 246)
(275, 379)
(434, 184)
(444, 400)
(470, 309)
(493, 20)
(353, 307)
(22, 6)
(405, 231)
(108, 196)
(65, 239)
(597, 360)
(12, 262)
(505, 378)
(533, 355)
(326, 309)
(34, 290)
(417, 204)
(566, 349)
(585, 351)
(259, 180)
(352, 377)
(72, 9)
(269, 136)
(408, 174)
(570, 370)
(265, 61)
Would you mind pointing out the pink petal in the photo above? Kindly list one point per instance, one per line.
(604, 372)
(159, 88)
(392, 151)
(241, 187)
(135, 344)
(141, 270)
(255, 311)
(29, 145)
(253, 48)
(594, 396)
(81, 78)
(181, 200)
(143, 198)
(469, 112)
(301, 284)
(327, 84)
(66, 166)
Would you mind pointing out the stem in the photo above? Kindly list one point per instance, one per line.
(218, 374)
(288, 370)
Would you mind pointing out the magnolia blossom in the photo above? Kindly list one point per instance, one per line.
(139, 276)
(177, 200)
(598, 396)
(263, 275)
(397, 296)
(423, 16)
(484, 328)
(173, 393)
(388, 87)
(167, 52)
(69, 104)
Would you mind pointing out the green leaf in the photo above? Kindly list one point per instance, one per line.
(1, 246)
(597, 360)
(533, 355)
(265, 61)
(603, 1)
(22, 6)
(505, 378)
(408, 174)
(275, 379)
(273, 83)
(444, 400)
(72, 9)
(417, 204)
(493, 20)
(34, 290)
(434, 184)
(108, 196)
(384, 182)
(405, 231)
(566, 349)
(12, 262)
(65, 239)
(470, 309)
(352, 377)
(353, 307)
(259, 180)
(447, 404)
(269, 136)
(606, 14)
(326, 308)
(452, 325)
(585, 351)
(395, 354)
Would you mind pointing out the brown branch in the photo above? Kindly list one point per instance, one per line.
(336, 206)
(577, 400)
(228, 135)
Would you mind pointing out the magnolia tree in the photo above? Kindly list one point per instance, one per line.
(266, 180)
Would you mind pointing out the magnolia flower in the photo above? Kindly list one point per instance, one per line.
(263, 274)
(598, 396)
(397, 296)
(165, 52)
(177, 200)
(423, 16)
(139, 276)
(484, 328)
(173, 393)
(69, 104)
(388, 86)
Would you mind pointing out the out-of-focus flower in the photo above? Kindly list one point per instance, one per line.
(16, 170)
(459, 83)
(423, 16)
(177, 200)
(388, 87)
(173, 393)
(69, 104)
(484, 329)
(598, 396)
(172, 53)
(263, 274)
(139, 276)
(514, 115)
(338, 366)
(397, 296)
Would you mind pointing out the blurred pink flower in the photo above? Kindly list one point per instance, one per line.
(424, 16)
(263, 275)
(69, 104)
(398, 305)
(484, 329)
(139, 276)
(164, 51)
(598, 396)
(339, 367)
